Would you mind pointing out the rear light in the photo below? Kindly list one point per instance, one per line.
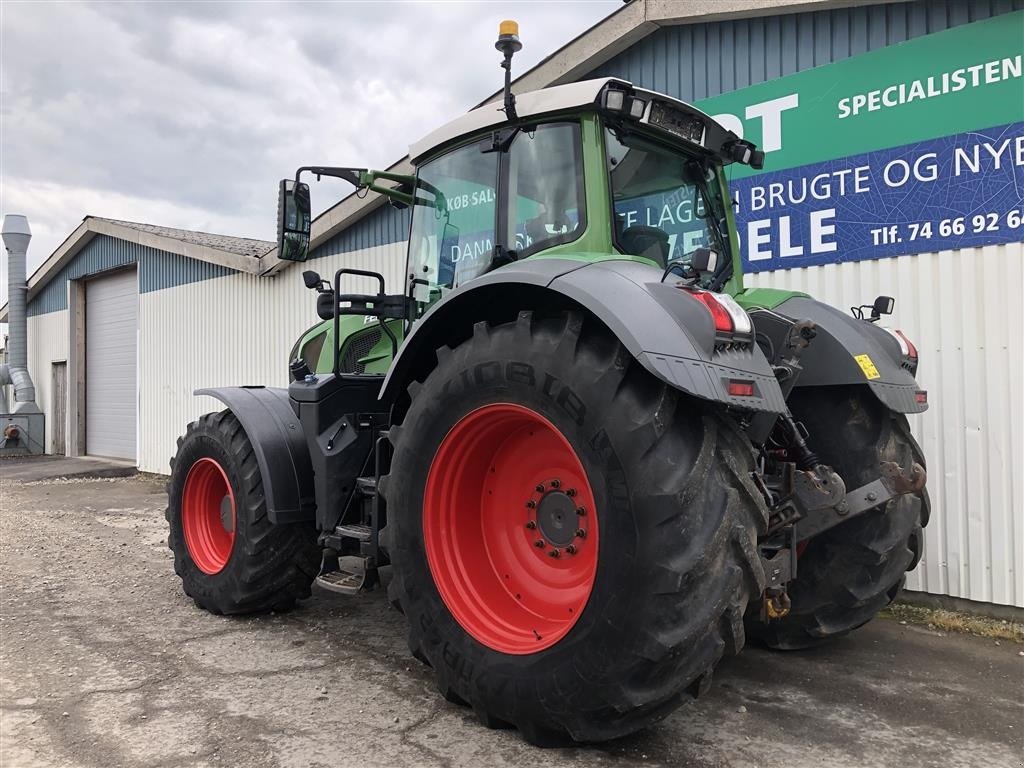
(921, 397)
(907, 348)
(728, 316)
(911, 349)
(741, 388)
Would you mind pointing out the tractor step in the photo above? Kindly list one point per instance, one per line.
(366, 486)
(353, 531)
(348, 578)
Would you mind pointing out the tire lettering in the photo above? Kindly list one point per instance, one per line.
(487, 373)
(572, 405)
(520, 373)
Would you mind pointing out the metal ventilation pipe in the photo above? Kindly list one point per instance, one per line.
(16, 235)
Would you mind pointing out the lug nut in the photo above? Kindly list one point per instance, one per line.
(540, 488)
(555, 553)
(531, 504)
(539, 543)
(581, 511)
(556, 483)
(581, 533)
(571, 549)
(530, 524)
(570, 492)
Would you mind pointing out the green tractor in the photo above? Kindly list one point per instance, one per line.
(584, 460)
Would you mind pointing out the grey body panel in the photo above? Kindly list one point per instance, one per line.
(111, 364)
(668, 332)
(279, 443)
(829, 359)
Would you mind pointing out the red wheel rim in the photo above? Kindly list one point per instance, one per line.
(208, 516)
(503, 479)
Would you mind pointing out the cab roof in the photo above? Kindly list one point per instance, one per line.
(546, 101)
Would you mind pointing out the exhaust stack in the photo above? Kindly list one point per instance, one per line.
(22, 428)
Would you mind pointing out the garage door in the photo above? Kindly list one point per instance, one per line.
(111, 338)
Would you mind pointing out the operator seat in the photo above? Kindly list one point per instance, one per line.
(641, 240)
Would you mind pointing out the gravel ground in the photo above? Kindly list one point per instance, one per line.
(105, 662)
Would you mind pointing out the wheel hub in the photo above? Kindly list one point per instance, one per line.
(509, 528)
(208, 515)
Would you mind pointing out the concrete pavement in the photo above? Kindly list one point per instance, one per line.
(105, 662)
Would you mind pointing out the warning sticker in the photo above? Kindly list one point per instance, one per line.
(867, 366)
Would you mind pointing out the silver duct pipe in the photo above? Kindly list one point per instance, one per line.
(16, 236)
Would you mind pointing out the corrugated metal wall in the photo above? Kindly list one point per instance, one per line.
(47, 344)
(697, 61)
(969, 329)
(243, 335)
(157, 270)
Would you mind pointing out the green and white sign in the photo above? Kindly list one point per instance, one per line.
(913, 148)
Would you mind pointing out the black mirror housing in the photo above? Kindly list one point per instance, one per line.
(311, 279)
(883, 306)
(293, 220)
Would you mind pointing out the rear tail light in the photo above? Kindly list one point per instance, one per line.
(921, 397)
(907, 348)
(911, 349)
(741, 388)
(728, 316)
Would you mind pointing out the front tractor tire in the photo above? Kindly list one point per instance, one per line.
(573, 542)
(230, 557)
(849, 573)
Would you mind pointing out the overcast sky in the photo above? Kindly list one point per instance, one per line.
(186, 114)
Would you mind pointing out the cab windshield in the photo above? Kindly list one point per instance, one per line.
(666, 203)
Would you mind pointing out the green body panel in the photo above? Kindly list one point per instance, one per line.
(377, 360)
(764, 298)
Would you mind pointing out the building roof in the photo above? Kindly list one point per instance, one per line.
(580, 56)
(242, 254)
(243, 246)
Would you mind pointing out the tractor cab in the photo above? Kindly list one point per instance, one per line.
(598, 169)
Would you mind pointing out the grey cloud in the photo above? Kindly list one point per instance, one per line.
(194, 110)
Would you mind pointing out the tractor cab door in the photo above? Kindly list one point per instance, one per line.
(493, 201)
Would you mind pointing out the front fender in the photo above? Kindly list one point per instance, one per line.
(846, 351)
(668, 332)
(277, 440)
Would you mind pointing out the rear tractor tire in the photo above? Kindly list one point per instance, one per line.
(230, 557)
(849, 573)
(573, 542)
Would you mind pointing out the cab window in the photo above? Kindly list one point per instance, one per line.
(545, 188)
(452, 235)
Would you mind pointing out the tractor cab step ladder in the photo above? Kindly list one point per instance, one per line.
(349, 563)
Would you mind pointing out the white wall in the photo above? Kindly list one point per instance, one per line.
(963, 311)
(47, 343)
(229, 331)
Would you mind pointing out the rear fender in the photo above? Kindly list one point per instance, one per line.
(278, 441)
(846, 351)
(668, 332)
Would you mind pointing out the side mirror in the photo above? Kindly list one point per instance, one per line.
(311, 279)
(883, 306)
(293, 220)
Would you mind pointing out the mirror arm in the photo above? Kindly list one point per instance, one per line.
(353, 176)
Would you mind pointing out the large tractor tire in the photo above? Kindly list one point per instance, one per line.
(573, 542)
(230, 557)
(849, 573)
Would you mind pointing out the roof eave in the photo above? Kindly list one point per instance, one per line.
(92, 226)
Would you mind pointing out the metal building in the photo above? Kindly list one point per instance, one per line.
(824, 86)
